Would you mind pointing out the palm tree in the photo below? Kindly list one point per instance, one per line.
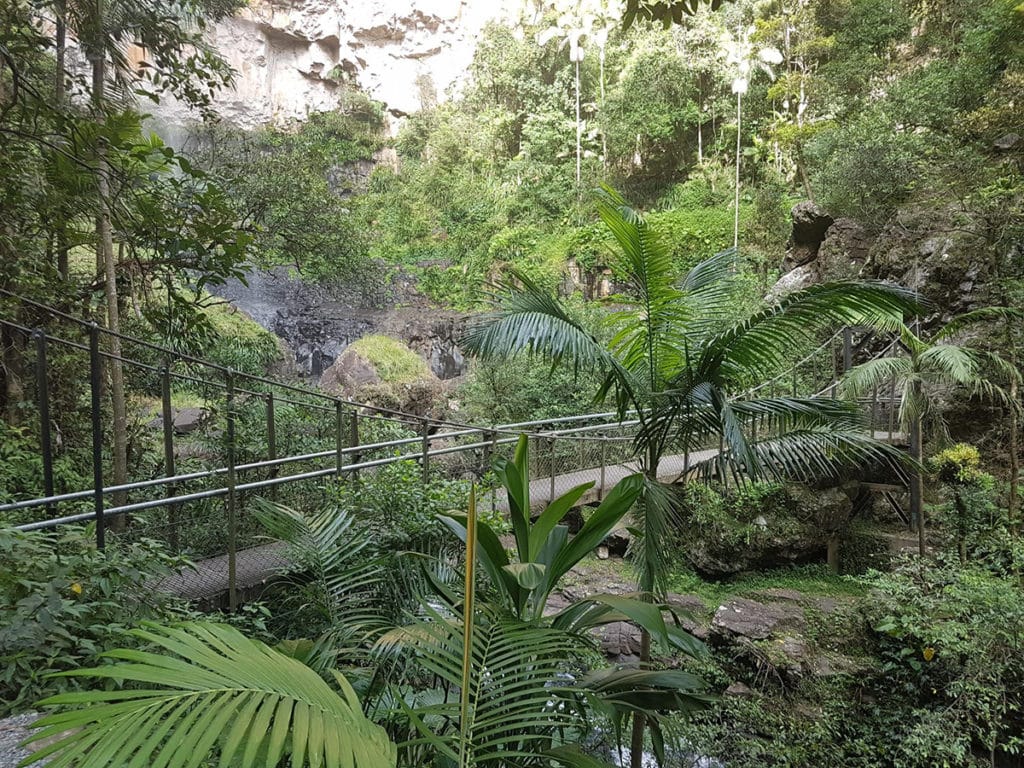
(930, 368)
(677, 358)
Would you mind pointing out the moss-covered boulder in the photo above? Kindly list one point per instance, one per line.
(385, 372)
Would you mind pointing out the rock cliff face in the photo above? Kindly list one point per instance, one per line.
(292, 56)
(920, 249)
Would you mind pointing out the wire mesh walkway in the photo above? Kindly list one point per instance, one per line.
(258, 435)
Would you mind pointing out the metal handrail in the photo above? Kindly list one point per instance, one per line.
(346, 457)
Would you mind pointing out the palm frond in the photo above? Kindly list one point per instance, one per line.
(807, 455)
(533, 321)
(874, 373)
(949, 362)
(518, 705)
(984, 315)
(651, 335)
(213, 693)
(656, 517)
(711, 289)
(759, 345)
(328, 546)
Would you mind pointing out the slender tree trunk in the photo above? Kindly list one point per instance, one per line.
(60, 34)
(604, 134)
(636, 741)
(917, 479)
(579, 137)
(1014, 501)
(106, 259)
(801, 168)
(739, 134)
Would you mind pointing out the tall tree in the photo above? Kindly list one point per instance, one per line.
(179, 61)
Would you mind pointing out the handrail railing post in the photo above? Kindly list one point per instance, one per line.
(339, 438)
(169, 468)
(271, 433)
(43, 397)
(231, 501)
(96, 392)
(425, 458)
(604, 455)
(892, 409)
(551, 450)
(354, 440)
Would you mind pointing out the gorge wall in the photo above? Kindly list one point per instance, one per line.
(293, 56)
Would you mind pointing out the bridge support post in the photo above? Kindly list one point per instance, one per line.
(551, 456)
(96, 392)
(169, 470)
(425, 450)
(354, 441)
(339, 438)
(43, 398)
(232, 501)
(271, 438)
(833, 553)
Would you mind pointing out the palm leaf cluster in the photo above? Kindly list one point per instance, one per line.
(210, 693)
(682, 357)
(519, 696)
(328, 550)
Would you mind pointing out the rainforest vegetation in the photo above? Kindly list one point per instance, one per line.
(773, 250)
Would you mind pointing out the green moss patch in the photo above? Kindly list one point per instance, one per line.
(394, 362)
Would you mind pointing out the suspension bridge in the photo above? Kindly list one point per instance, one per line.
(268, 436)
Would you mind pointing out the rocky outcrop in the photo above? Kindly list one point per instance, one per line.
(799, 533)
(810, 223)
(750, 619)
(292, 57)
(948, 265)
(770, 634)
(318, 321)
(355, 376)
(919, 249)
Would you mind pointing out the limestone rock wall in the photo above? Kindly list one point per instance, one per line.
(291, 56)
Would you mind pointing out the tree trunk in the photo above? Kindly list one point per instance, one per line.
(1014, 501)
(917, 479)
(60, 35)
(579, 137)
(105, 258)
(636, 741)
(833, 553)
(739, 134)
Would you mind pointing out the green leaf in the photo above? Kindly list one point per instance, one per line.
(528, 575)
(209, 683)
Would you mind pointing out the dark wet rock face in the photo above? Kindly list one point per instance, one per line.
(318, 322)
(810, 223)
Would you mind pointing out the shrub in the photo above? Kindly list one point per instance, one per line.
(63, 602)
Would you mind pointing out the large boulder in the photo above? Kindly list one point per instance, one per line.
(754, 620)
(383, 371)
(844, 251)
(796, 530)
